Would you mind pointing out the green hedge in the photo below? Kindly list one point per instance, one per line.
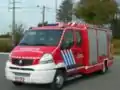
(5, 45)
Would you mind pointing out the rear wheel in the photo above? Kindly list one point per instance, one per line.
(17, 83)
(58, 81)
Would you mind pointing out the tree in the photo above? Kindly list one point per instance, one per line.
(115, 27)
(19, 32)
(64, 14)
(6, 35)
(96, 11)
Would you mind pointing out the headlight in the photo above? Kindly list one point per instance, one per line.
(46, 58)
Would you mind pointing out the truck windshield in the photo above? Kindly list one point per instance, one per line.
(41, 38)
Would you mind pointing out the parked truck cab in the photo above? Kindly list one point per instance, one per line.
(55, 53)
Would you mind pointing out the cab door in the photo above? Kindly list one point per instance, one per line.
(71, 50)
(77, 50)
(67, 46)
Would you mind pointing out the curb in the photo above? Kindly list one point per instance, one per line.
(4, 53)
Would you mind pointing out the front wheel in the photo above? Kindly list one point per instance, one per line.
(58, 81)
(17, 83)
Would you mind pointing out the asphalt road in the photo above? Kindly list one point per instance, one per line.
(108, 81)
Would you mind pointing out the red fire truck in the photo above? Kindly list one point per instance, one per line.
(55, 53)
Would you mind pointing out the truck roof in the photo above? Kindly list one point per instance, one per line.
(62, 26)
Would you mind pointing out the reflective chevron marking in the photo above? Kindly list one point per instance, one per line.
(68, 57)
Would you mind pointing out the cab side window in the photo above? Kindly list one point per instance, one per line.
(78, 37)
(68, 40)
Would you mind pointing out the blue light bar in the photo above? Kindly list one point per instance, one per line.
(51, 25)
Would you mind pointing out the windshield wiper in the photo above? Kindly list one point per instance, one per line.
(40, 44)
(23, 44)
(33, 44)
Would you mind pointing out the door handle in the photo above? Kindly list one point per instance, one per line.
(75, 52)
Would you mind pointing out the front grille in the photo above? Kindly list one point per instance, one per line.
(26, 69)
(22, 62)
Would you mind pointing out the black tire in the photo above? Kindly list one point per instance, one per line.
(17, 83)
(58, 85)
(105, 68)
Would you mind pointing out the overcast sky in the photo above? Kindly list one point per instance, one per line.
(28, 16)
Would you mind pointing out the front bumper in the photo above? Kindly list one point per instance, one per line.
(38, 76)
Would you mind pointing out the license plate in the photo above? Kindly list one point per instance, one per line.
(19, 79)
